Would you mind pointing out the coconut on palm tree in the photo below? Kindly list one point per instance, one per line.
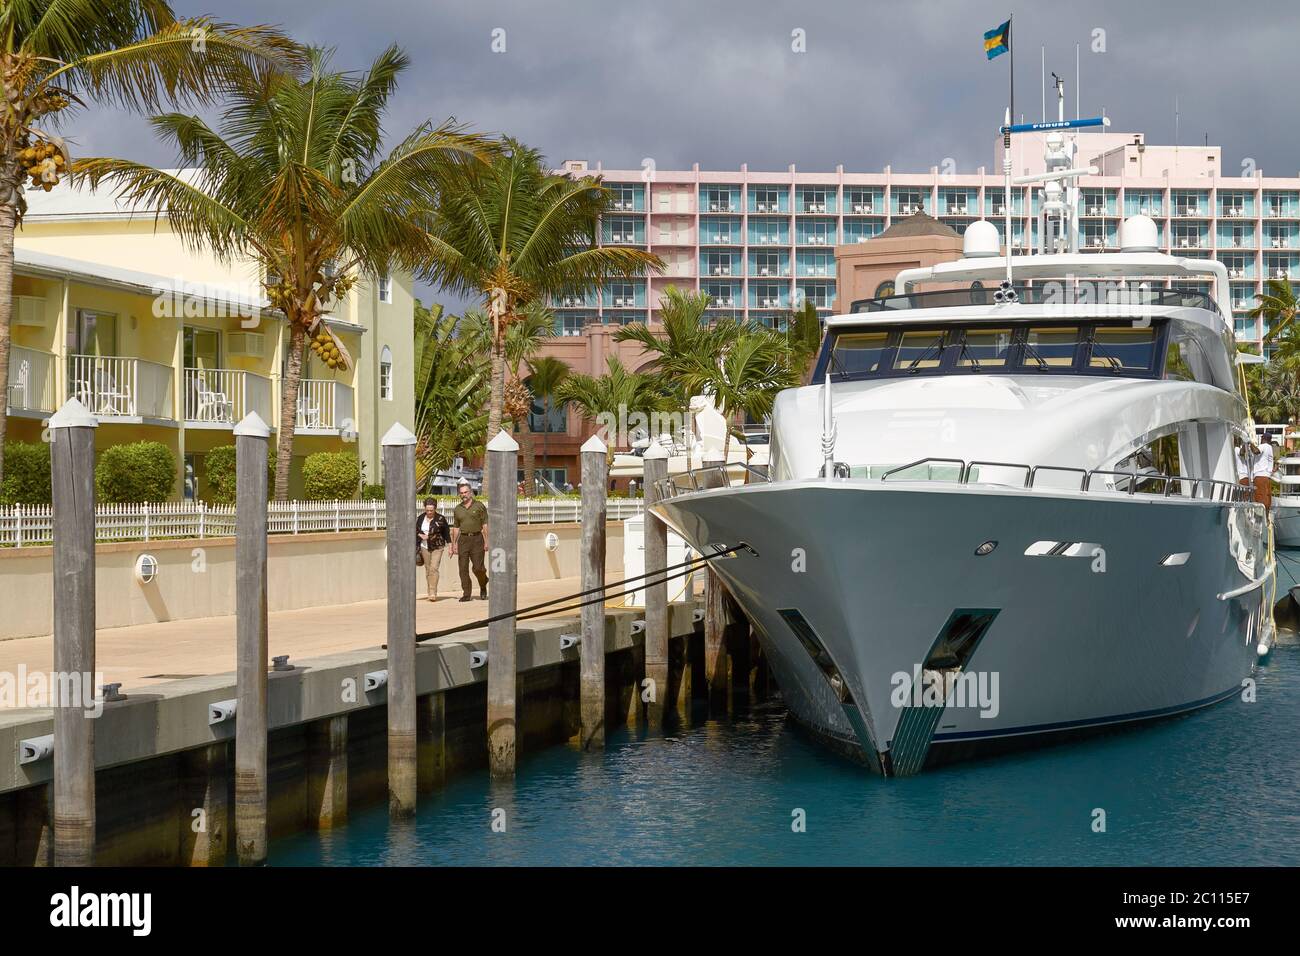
(297, 178)
(58, 55)
(513, 233)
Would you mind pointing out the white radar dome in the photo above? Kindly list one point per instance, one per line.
(981, 240)
(1139, 234)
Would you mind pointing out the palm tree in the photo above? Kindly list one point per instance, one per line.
(451, 384)
(57, 54)
(512, 233)
(685, 346)
(547, 375)
(602, 400)
(803, 338)
(296, 177)
(1277, 307)
(755, 366)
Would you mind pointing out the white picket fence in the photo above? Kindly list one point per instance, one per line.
(25, 526)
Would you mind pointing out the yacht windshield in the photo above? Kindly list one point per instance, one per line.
(1095, 348)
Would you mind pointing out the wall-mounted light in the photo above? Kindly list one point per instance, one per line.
(146, 568)
(552, 541)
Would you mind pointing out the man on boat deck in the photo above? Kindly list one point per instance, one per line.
(1262, 472)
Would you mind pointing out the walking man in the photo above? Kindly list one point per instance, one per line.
(432, 534)
(469, 540)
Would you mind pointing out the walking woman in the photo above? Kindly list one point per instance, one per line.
(432, 535)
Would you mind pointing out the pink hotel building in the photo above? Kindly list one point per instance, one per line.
(759, 243)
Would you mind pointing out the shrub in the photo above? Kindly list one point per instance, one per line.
(138, 471)
(220, 476)
(27, 474)
(372, 492)
(327, 475)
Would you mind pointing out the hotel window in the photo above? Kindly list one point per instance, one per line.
(622, 295)
(907, 201)
(1238, 266)
(768, 198)
(1282, 204)
(863, 202)
(816, 232)
(385, 288)
(768, 295)
(627, 197)
(1236, 203)
(1189, 235)
(1095, 202)
(995, 203)
(1094, 235)
(956, 202)
(1143, 202)
(719, 230)
(386, 374)
(1281, 236)
(623, 230)
(860, 230)
(816, 200)
(1191, 202)
(722, 295)
(718, 263)
(769, 264)
(816, 263)
(820, 294)
(718, 199)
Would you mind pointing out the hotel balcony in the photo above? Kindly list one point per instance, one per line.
(221, 397)
(32, 391)
(120, 389)
(325, 407)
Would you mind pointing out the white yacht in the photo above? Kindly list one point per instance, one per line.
(1003, 518)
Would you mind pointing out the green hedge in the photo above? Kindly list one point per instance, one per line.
(219, 475)
(372, 492)
(27, 474)
(135, 472)
(328, 475)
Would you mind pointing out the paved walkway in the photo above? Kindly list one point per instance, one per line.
(146, 654)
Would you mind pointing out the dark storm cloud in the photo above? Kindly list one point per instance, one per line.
(899, 83)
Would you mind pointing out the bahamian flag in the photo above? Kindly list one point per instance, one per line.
(998, 40)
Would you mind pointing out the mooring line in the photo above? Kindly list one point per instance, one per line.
(532, 611)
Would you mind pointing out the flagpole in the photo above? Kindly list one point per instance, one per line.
(1011, 72)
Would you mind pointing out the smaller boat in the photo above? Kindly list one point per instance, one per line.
(1286, 505)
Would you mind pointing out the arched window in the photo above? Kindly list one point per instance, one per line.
(386, 374)
(885, 289)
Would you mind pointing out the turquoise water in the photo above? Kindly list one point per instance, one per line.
(1219, 787)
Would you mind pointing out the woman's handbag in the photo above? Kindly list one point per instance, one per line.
(419, 556)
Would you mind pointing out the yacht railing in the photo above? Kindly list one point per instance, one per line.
(961, 472)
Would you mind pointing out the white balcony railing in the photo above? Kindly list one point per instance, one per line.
(222, 396)
(31, 380)
(325, 405)
(114, 387)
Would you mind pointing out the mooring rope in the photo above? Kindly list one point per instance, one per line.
(540, 610)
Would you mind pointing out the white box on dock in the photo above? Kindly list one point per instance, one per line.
(634, 561)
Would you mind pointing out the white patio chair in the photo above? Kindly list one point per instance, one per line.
(212, 406)
(308, 412)
(19, 383)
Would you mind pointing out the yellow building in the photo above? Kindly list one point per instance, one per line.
(167, 345)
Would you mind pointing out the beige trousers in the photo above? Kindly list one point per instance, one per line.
(432, 569)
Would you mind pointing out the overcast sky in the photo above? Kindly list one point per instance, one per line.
(719, 82)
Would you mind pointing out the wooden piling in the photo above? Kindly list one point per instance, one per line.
(399, 499)
(251, 438)
(72, 474)
(502, 557)
(656, 595)
(715, 640)
(595, 469)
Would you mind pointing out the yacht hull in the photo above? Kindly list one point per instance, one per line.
(1286, 520)
(861, 590)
